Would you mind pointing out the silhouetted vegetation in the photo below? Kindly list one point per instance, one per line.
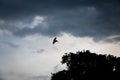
(89, 66)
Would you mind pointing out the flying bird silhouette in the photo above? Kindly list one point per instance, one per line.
(55, 40)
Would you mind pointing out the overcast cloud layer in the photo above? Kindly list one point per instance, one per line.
(93, 18)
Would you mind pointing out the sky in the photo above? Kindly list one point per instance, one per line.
(27, 28)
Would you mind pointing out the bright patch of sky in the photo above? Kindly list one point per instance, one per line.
(36, 55)
(37, 20)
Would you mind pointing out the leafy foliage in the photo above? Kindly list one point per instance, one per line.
(89, 66)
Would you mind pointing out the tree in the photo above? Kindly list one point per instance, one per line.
(89, 66)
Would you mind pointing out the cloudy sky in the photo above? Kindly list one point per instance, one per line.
(27, 28)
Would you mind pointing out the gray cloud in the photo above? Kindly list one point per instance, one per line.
(39, 78)
(115, 39)
(39, 51)
(10, 44)
(56, 68)
(2, 79)
(21, 76)
(92, 18)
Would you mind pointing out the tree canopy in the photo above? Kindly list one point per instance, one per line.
(84, 65)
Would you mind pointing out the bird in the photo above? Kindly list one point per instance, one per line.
(55, 40)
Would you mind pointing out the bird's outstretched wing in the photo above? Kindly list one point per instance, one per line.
(55, 40)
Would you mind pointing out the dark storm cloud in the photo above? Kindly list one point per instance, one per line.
(15, 8)
(94, 18)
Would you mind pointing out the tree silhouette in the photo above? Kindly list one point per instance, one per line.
(89, 66)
